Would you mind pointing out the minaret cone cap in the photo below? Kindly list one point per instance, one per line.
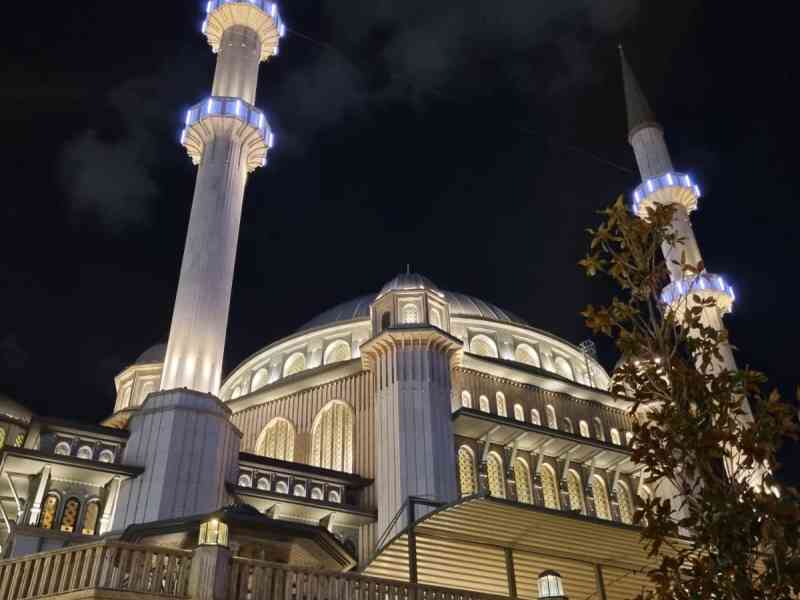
(640, 115)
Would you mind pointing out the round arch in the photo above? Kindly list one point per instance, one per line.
(260, 379)
(527, 354)
(483, 345)
(338, 351)
(563, 368)
(332, 437)
(294, 364)
(276, 440)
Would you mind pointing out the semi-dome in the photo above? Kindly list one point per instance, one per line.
(154, 354)
(14, 410)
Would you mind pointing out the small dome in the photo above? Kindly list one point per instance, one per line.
(14, 410)
(409, 281)
(154, 354)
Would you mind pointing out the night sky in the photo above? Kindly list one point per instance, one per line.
(471, 139)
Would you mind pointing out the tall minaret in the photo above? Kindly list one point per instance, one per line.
(182, 436)
(661, 184)
(228, 137)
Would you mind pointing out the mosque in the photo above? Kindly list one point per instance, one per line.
(412, 441)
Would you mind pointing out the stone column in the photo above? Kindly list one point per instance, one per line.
(208, 576)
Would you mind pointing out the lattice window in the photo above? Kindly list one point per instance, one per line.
(69, 519)
(519, 412)
(549, 487)
(49, 511)
(584, 427)
(563, 368)
(527, 355)
(277, 440)
(483, 346)
(615, 439)
(494, 472)
(575, 492)
(552, 422)
(522, 478)
(332, 438)
(601, 506)
(466, 399)
(466, 471)
(410, 314)
(484, 404)
(90, 518)
(296, 363)
(338, 351)
(625, 504)
(536, 419)
(502, 409)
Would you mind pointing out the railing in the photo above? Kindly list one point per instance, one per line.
(110, 565)
(256, 580)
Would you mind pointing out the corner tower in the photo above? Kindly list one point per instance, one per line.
(182, 435)
(661, 184)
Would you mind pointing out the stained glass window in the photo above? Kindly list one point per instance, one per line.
(575, 492)
(625, 504)
(601, 505)
(410, 314)
(90, 519)
(523, 480)
(332, 438)
(494, 472)
(466, 471)
(502, 409)
(549, 487)
(277, 440)
(69, 518)
(49, 511)
(519, 412)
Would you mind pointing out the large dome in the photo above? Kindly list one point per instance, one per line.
(461, 305)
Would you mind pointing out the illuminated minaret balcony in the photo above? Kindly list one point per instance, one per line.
(669, 188)
(259, 15)
(704, 285)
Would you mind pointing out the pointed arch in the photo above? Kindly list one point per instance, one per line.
(549, 487)
(332, 437)
(601, 506)
(277, 440)
(575, 489)
(625, 503)
(502, 408)
(338, 351)
(496, 475)
(466, 399)
(522, 479)
(468, 482)
(519, 412)
(483, 345)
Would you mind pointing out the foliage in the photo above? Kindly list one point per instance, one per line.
(718, 525)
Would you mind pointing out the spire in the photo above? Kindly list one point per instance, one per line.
(639, 112)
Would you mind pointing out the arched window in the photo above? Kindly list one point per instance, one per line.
(69, 518)
(85, 453)
(333, 496)
(300, 490)
(483, 401)
(236, 393)
(2, 437)
(466, 399)
(522, 479)
(625, 503)
(106, 456)
(536, 418)
(584, 427)
(49, 511)
(575, 489)
(629, 438)
(615, 439)
(466, 471)
(494, 472)
(482, 345)
(566, 425)
(502, 410)
(294, 364)
(526, 354)
(550, 585)
(552, 422)
(260, 379)
(599, 432)
(282, 487)
(63, 449)
(410, 314)
(519, 412)
(332, 437)
(386, 320)
(19, 440)
(549, 487)
(263, 484)
(277, 440)
(338, 351)
(601, 506)
(90, 518)
(563, 368)
(436, 318)
(245, 481)
(316, 493)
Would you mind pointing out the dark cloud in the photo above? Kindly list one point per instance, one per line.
(12, 355)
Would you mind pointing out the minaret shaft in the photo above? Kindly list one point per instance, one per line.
(238, 61)
(651, 152)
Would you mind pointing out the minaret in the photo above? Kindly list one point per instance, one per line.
(228, 137)
(661, 184)
(182, 435)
